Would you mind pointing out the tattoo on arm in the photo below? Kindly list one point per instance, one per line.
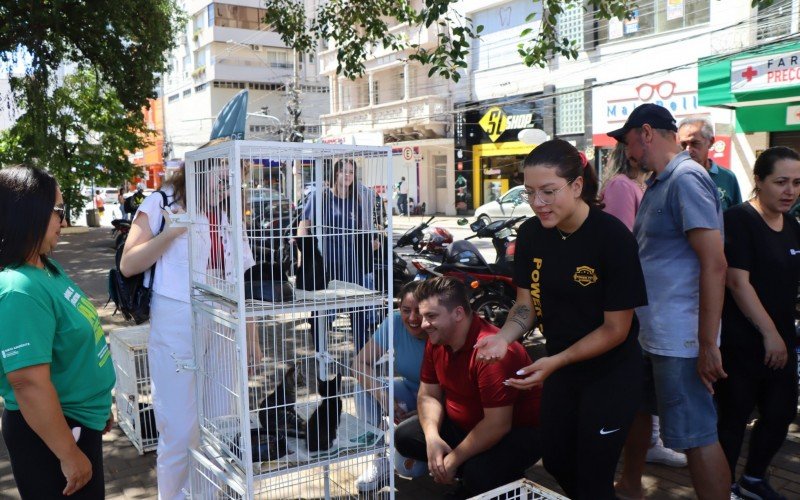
(521, 315)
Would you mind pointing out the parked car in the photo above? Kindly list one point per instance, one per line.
(509, 205)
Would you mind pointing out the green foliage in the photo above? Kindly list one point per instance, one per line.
(117, 48)
(356, 27)
(88, 134)
(125, 40)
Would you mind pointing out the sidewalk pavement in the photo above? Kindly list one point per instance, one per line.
(87, 254)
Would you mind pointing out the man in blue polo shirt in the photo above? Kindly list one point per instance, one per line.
(696, 135)
(679, 231)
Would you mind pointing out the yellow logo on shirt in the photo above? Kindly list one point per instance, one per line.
(585, 276)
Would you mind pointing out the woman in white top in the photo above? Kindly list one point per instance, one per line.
(170, 341)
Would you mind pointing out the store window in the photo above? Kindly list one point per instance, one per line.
(570, 111)
(655, 16)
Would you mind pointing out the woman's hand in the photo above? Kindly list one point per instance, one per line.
(109, 423)
(536, 373)
(491, 348)
(775, 355)
(77, 469)
(173, 231)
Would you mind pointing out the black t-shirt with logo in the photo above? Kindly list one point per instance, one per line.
(773, 260)
(573, 281)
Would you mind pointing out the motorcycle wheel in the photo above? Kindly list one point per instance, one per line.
(492, 308)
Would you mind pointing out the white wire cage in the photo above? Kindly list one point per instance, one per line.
(132, 394)
(287, 254)
(523, 489)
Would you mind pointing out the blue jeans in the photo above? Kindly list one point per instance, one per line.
(368, 409)
(674, 392)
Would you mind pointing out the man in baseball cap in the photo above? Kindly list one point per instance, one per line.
(679, 231)
(658, 117)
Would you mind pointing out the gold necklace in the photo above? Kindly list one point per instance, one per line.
(564, 236)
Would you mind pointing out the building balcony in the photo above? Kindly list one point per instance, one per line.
(425, 37)
(234, 68)
(426, 112)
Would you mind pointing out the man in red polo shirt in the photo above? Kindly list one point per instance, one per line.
(470, 424)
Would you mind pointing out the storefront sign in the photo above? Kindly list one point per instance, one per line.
(612, 104)
(766, 72)
(495, 122)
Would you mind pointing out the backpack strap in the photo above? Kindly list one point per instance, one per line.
(164, 205)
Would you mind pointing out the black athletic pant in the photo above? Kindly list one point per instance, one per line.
(751, 384)
(503, 463)
(586, 415)
(37, 471)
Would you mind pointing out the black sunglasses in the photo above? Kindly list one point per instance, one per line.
(61, 211)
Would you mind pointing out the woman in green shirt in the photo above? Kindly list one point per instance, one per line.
(56, 372)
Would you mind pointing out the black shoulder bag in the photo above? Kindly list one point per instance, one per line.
(130, 295)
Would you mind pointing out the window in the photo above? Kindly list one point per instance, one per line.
(655, 16)
(201, 87)
(173, 97)
(570, 25)
(312, 130)
(237, 16)
(375, 95)
(199, 58)
(187, 92)
(570, 112)
(210, 14)
(775, 20)
(277, 59)
(440, 171)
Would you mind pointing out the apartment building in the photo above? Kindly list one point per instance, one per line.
(396, 103)
(654, 57)
(224, 48)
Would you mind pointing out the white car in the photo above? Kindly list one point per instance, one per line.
(510, 204)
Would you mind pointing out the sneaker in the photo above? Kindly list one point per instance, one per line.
(376, 476)
(758, 490)
(736, 494)
(658, 454)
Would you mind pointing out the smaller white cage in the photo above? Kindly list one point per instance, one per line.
(523, 489)
(135, 413)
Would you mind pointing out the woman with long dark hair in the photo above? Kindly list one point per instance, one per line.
(762, 246)
(345, 230)
(579, 278)
(56, 372)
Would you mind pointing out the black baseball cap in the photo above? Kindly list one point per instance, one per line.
(652, 114)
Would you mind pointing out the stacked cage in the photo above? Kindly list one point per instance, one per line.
(132, 390)
(522, 489)
(288, 253)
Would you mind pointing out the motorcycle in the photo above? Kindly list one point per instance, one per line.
(120, 231)
(429, 243)
(494, 289)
